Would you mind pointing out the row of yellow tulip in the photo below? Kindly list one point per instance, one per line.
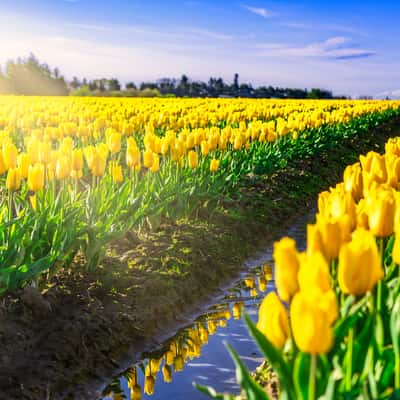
(110, 165)
(352, 259)
(50, 138)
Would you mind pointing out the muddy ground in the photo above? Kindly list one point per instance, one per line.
(68, 339)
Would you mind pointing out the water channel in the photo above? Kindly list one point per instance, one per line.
(197, 353)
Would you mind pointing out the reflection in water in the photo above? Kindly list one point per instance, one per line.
(178, 352)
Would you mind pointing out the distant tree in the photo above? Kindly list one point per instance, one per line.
(75, 84)
(316, 93)
(130, 85)
(27, 76)
(113, 85)
(235, 85)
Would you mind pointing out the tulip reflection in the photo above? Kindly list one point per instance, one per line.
(188, 343)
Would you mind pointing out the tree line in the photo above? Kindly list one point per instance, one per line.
(28, 76)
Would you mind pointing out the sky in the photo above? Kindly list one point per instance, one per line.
(350, 47)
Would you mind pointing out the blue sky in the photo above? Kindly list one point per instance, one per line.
(350, 47)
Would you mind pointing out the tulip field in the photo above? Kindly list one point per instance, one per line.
(340, 335)
(78, 173)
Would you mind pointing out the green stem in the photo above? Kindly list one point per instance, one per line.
(311, 383)
(397, 373)
(349, 369)
(10, 201)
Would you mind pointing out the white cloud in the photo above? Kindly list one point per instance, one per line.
(338, 47)
(324, 27)
(262, 12)
(178, 33)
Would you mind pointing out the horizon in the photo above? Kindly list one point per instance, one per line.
(268, 43)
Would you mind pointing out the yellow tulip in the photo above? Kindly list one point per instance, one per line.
(214, 165)
(132, 156)
(13, 181)
(116, 172)
(286, 268)
(23, 163)
(3, 167)
(314, 272)
(314, 240)
(44, 152)
(156, 163)
(205, 148)
(359, 266)
(352, 179)
(77, 159)
(193, 159)
(36, 177)
(273, 320)
(238, 143)
(331, 235)
(114, 142)
(99, 163)
(311, 324)
(10, 154)
(148, 158)
(63, 168)
(381, 208)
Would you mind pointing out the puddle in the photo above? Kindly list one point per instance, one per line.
(197, 352)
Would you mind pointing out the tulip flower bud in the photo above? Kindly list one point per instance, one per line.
(381, 208)
(3, 167)
(205, 148)
(214, 165)
(63, 168)
(44, 152)
(148, 158)
(114, 142)
(314, 273)
(77, 159)
(238, 143)
(193, 159)
(36, 177)
(359, 266)
(286, 268)
(353, 183)
(132, 156)
(13, 181)
(273, 320)
(156, 163)
(10, 154)
(311, 323)
(99, 163)
(116, 172)
(331, 236)
(23, 163)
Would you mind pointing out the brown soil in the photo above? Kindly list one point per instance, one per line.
(66, 341)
